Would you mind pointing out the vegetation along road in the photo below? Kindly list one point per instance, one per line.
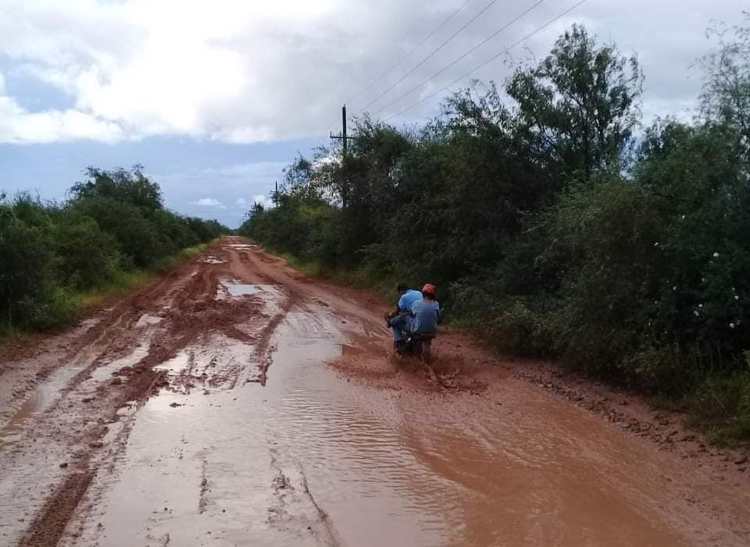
(235, 401)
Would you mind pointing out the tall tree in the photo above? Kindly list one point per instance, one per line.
(726, 93)
(578, 107)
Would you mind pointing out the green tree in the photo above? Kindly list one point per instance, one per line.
(577, 108)
(86, 256)
(131, 187)
(726, 92)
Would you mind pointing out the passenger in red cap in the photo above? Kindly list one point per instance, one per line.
(425, 314)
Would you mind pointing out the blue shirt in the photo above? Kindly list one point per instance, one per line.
(425, 316)
(408, 299)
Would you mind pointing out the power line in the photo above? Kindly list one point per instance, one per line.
(411, 51)
(464, 55)
(488, 61)
(431, 54)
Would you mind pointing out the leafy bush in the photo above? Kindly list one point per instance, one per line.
(87, 256)
(608, 237)
(721, 404)
(137, 237)
(25, 265)
(115, 221)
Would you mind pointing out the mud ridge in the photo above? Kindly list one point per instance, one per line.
(632, 414)
(330, 532)
(47, 529)
(204, 488)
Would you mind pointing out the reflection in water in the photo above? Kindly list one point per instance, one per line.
(236, 289)
(103, 373)
(313, 459)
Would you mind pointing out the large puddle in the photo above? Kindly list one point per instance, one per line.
(41, 398)
(242, 246)
(213, 260)
(314, 459)
(232, 288)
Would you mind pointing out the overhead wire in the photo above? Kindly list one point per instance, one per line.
(431, 54)
(488, 61)
(411, 51)
(463, 55)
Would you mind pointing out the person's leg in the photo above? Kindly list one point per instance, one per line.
(399, 325)
(410, 325)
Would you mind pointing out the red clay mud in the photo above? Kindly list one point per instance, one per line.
(48, 527)
(237, 402)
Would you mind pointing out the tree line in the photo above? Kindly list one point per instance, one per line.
(555, 224)
(113, 223)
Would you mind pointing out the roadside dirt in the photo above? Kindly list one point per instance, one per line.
(237, 402)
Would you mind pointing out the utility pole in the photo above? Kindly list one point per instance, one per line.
(343, 136)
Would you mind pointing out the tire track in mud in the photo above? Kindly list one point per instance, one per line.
(48, 528)
(87, 449)
(264, 349)
(290, 299)
(185, 304)
(191, 320)
(330, 536)
(204, 488)
(296, 507)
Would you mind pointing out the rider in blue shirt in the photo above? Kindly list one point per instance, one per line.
(417, 312)
(409, 297)
(398, 320)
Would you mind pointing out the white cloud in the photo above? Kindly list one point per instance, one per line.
(17, 125)
(240, 71)
(209, 202)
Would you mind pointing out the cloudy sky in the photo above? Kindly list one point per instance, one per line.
(215, 98)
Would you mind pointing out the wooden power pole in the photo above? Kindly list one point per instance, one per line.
(343, 136)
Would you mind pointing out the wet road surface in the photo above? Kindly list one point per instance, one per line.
(238, 403)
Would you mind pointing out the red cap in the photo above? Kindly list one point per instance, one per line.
(430, 289)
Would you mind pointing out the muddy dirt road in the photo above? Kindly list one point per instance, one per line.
(236, 402)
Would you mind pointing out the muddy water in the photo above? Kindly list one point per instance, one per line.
(316, 458)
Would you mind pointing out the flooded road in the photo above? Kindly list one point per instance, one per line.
(237, 402)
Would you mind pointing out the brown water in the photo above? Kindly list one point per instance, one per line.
(315, 459)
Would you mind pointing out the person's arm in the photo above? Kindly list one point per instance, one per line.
(398, 309)
(439, 313)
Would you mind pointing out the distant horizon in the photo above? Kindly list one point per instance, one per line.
(245, 173)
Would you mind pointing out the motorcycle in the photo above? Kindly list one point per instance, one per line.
(413, 344)
(417, 345)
